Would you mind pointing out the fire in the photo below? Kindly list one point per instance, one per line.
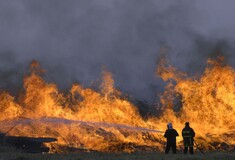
(208, 101)
(103, 120)
(82, 118)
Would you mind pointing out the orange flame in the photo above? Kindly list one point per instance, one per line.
(208, 102)
(104, 121)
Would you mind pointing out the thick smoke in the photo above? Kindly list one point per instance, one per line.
(74, 39)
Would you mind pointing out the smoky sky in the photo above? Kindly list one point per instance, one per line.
(74, 39)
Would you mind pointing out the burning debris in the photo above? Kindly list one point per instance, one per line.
(28, 144)
(90, 120)
(80, 132)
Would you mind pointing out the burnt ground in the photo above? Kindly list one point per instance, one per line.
(117, 156)
(11, 153)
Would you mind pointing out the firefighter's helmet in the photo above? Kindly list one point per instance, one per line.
(169, 125)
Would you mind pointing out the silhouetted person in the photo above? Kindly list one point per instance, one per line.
(170, 135)
(188, 134)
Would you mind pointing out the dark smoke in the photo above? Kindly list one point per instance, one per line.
(74, 39)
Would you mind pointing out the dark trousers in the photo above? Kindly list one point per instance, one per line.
(170, 145)
(190, 150)
(188, 143)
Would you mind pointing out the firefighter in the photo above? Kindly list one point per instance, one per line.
(188, 135)
(170, 135)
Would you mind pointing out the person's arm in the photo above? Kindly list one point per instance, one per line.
(193, 133)
(182, 133)
(166, 134)
(176, 133)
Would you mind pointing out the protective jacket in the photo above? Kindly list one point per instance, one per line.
(188, 134)
(171, 135)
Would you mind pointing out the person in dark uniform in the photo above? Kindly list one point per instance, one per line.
(170, 135)
(188, 135)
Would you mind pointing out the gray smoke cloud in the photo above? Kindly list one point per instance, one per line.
(74, 39)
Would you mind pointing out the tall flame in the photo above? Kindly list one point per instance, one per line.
(208, 101)
(105, 121)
